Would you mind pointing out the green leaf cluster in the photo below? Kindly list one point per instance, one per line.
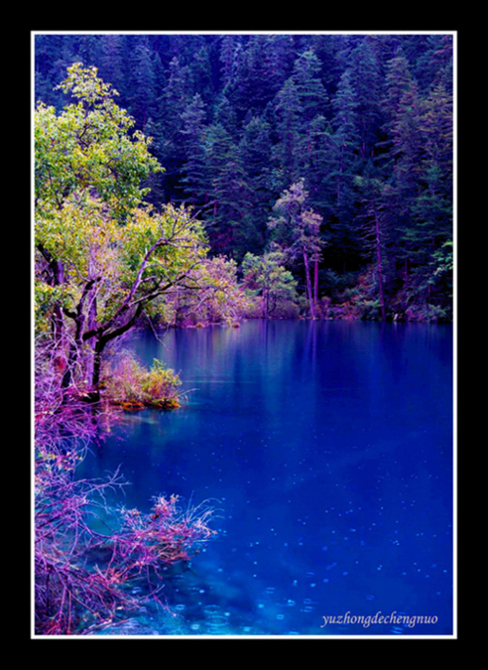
(88, 149)
(103, 254)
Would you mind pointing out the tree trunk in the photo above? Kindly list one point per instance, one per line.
(97, 369)
(58, 325)
(316, 282)
(75, 355)
(91, 324)
(309, 285)
(341, 168)
(264, 304)
(379, 264)
(101, 341)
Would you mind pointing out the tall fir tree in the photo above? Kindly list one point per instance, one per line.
(193, 170)
(374, 230)
(345, 161)
(432, 211)
(174, 100)
(402, 105)
(229, 195)
(255, 149)
(366, 82)
(142, 84)
(287, 151)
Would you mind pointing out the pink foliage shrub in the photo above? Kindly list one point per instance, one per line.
(86, 557)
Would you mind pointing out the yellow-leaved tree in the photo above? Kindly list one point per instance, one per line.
(102, 255)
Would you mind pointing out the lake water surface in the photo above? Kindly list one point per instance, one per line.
(328, 449)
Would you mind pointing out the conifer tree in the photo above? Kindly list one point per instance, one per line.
(141, 97)
(229, 55)
(366, 81)
(310, 90)
(287, 153)
(174, 100)
(254, 151)
(432, 210)
(402, 106)
(229, 196)
(193, 170)
(112, 61)
(280, 108)
(373, 229)
(345, 165)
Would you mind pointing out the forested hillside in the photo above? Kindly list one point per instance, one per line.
(321, 163)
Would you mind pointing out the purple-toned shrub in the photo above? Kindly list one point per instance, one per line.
(86, 557)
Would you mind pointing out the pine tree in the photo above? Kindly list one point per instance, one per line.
(142, 84)
(200, 74)
(256, 81)
(193, 170)
(312, 123)
(398, 83)
(229, 195)
(373, 228)
(345, 164)
(230, 53)
(311, 92)
(432, 211)
(287, 151)
(174, 100)
(280, 57)
(433, 61)
(112, 65)
(366, 82)
(254, 150)
(402, 105)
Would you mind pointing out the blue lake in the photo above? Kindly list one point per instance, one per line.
(328, 449)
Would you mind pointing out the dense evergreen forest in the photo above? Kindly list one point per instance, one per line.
(320, 165)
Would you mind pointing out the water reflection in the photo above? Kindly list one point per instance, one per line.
(329, 449)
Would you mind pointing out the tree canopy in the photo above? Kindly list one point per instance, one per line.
(103, 255)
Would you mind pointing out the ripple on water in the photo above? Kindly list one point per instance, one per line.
(216, 620)
(308, 605)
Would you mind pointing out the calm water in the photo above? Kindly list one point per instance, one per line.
(328, 447)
